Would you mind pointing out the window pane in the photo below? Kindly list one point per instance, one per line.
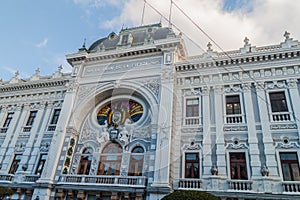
(295, 171)
(286, 172)
(192, 165)
(278, 102)
(288, 156)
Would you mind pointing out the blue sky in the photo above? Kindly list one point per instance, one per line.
(38, 34)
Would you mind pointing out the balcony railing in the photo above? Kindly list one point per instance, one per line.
(51, 128)
(281, 116)
(104, 180)
(3, 130)
(240, 185)
(191, 121)
(6, 177)
(189, 184)
(291, 186)
(31, 178)
(26, 129)
(234, 119)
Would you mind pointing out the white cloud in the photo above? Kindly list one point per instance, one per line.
(97, 3)
(263, 24)
(42, 44)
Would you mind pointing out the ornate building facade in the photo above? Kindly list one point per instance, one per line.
(138, 118)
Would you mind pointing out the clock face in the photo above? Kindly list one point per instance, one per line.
(116, 112)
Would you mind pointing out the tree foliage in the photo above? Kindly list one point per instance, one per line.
(4, 191)
(190, 195)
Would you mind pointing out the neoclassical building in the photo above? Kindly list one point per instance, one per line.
(138, 118)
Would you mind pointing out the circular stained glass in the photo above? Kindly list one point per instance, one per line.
(117, 112)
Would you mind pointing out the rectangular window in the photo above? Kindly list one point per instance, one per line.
(124, 39)
(8, 120)
(238, 166)
(192, 107)
(278, 102)
(233, 105)
(15, 164)
(290, 166)
(55, 116)
(41, 164)
(192, 165)
(31, 118)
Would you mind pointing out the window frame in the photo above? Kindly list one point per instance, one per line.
(297, 152)
(190, 120)
(85, 164)
(13, 170)
(55, 116)
(285, 98)
(184, 152)
(105, 158)
(242, 108)
(8, 119)
(136, 162)
(31, 118)
(246, 152)
(233, 103)
(41, 162)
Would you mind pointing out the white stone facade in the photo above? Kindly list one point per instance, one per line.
(137, 119)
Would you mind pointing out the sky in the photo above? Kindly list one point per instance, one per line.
(37, 34)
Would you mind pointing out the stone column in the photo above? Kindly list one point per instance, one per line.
(295, 99)
(57, 142)
(266, 132)
(252, 137)
(207, 148)
(220, 143)
(162, 158)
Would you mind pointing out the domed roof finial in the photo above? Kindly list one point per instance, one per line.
(286, 35)
(83, 46)
(209, 45)
(37, 71)
(246, 41)
(17, 74)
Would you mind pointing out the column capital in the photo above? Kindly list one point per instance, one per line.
(247, 87)
(205, 90)
(292, 83)
(260, 85)
(218, 89)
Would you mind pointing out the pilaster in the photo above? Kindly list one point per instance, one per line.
(162, 161)
(266, 132)
(34, 131)
(207, 148)
(295, 99)
(220, 142)
(252, 137)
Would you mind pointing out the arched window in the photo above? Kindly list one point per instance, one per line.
(85, 161)
(110, 160)
(136, 162)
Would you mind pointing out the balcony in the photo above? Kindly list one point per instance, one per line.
(291, 186)
(234, 119)
(136, 181)
(192, 121)
(3, 130)
(188, 184)
(26, 129)
(240, 185)
(31, 178)
(6, 177)
(281, 117)
(51, 128)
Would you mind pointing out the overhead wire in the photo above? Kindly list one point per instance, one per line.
(210, 38)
